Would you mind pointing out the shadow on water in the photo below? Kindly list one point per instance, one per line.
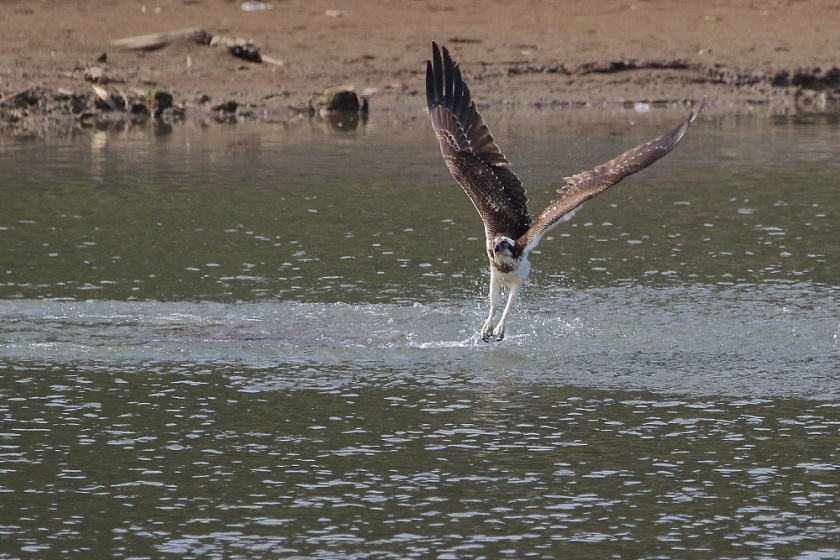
(261, 342)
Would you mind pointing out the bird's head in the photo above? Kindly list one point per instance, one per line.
(505, 253)
(503, 245)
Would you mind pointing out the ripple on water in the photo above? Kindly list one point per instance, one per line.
(658, 417)
(362, 472)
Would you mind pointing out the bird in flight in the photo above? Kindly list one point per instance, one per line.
(477, 163)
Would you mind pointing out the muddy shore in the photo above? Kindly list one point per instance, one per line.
(61, 63)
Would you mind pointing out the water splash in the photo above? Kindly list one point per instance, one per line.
(684, 339)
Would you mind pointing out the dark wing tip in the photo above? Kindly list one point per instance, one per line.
(699, 109)
(669, 140)
(434, 78)
(446, 89)
(444, 85)
(644, 155)
(430, 84)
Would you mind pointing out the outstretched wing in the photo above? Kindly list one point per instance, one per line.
(583, 186)
(471, 153)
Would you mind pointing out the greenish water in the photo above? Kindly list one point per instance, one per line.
(260, 342)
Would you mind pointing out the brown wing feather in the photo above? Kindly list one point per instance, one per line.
(471, 153)
(583, 186)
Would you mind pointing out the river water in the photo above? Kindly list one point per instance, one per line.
(260, 341)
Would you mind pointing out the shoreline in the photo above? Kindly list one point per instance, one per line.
(83, 64)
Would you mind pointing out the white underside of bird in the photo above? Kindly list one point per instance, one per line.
(511, 281)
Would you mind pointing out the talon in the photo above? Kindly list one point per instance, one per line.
(492, 336)
(487, 332)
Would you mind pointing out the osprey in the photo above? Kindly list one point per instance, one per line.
(475, 161)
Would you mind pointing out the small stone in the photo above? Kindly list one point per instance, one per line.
(226, 107)
(96, 75)
(338, 99)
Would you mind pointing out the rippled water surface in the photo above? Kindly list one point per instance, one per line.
(259, 341)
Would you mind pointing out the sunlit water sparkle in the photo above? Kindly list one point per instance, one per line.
(249, 345)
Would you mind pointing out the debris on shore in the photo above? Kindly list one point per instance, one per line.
(338, 100)
(246, 49)
(155, 41)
